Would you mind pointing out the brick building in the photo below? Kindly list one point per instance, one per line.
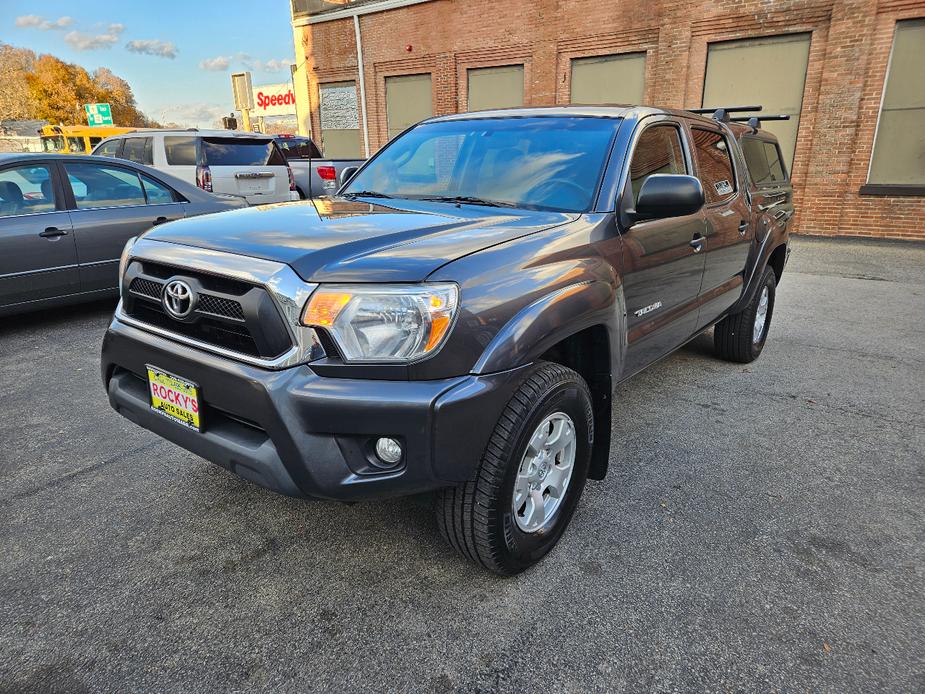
(851, 73)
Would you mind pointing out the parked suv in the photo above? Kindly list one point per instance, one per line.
(457, 317)
(246, 164)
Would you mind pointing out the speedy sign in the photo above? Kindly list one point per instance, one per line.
(274, 100)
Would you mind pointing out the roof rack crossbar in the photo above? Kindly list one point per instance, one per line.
(722, 113)
(754, 122)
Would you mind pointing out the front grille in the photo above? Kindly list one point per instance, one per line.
(229, 314)
(147, 288)
(208, 330)
(218, 306)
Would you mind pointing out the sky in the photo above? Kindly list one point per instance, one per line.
(177, 56)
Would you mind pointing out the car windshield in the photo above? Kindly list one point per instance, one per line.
(539, 163)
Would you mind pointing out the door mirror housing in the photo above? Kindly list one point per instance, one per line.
(668, 195)
(347, 174)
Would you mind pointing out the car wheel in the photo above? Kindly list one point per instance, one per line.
(741, 336)
(528, 483)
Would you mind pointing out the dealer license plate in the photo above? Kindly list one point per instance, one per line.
(174, 397)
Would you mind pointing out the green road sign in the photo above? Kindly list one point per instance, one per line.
(98, 114)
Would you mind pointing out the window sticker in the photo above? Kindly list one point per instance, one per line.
(723, 187)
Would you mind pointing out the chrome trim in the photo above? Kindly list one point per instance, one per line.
(285, 287)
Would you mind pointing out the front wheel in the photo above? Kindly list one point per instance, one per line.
(741, 336)
(530, 478)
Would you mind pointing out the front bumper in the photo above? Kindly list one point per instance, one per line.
(301, 434)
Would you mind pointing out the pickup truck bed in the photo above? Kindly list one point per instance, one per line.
(314, 175)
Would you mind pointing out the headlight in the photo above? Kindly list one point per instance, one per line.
(123, 260)
(384, 323)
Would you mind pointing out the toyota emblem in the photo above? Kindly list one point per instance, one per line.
(178, 299)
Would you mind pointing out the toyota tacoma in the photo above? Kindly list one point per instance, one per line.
(456, 318)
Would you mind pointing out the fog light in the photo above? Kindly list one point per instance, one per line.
(388, 450)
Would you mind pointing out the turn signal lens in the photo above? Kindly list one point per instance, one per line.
(323, 308)
(384, 323)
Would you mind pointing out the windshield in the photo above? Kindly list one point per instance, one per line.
(535, 163)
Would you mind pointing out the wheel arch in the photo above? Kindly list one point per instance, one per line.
(579, 326)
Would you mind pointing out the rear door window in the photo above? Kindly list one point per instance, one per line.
(240, 151)
(156, 192)
(138, 150)
(714, 165)
(180, 150)
(756, 159)
(96, 185)
(26, 190)
(775, 163)
(659, 151)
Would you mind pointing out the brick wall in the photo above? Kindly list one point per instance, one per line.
(849, 52)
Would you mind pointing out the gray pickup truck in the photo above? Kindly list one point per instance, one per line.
(314, 175)
(456, 318)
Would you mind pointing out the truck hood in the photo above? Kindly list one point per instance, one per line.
(337, 240)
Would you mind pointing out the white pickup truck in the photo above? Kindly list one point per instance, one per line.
(314, 175)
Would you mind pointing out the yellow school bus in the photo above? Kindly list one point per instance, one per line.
(76, 139)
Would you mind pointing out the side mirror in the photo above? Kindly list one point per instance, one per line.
(668, 195)
(347, 174)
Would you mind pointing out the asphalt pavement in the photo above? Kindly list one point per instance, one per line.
(762, 529)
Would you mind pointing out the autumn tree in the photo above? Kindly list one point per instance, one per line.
(15, 64)
(47, 88)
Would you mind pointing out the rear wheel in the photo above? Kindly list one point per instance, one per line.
(741, 336)
(531, 476)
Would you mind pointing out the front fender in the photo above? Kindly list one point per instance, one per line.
(552, 318)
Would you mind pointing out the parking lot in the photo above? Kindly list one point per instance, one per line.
(762, 528)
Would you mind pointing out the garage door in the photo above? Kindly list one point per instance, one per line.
(408, 100)
(899, 153)
(340, 120)
(769, 72)
(609, 79)
(496, 87)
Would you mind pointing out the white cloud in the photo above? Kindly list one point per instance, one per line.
(162, 49)
(216, 64)
(276, 65)
(89, 42)
(194, 115)
(257, 65)
(34, 21)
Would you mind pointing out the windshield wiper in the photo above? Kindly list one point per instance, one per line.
(365, 194)
(468, 200)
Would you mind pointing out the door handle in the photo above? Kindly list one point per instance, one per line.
(743, 227)
(697, 243)
(53, 232)
(160, 220)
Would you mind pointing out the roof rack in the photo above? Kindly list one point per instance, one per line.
(722, 113)
(754, 122)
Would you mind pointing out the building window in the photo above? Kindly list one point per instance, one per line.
(340, 120)
(408, 99)
(899, 148)
(609, 79)
(496, 87)
(732, 67)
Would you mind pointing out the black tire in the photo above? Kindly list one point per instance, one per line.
(733, 337)
(477, 517)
